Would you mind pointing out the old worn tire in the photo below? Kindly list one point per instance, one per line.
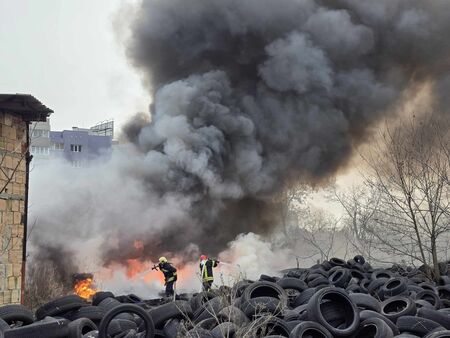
(224, 330)
(345, 314)
(434, 315)
(417, 325)
(100, 295)
(80, 327)
(393, 287)
(310, 329)
(60, 306)
(16, 313)
(398, 306)
(439, 334)
(304, 297)
(200, 333)
(431, 297)
(127, 308)
(264, 289)
(94, 313)
(373, 328)
(257, 306)
(340, 278)
(368, 314)
(118, 326)
(92, 334)
(200, 299)
(233, 314)
(47, 328)
(365, 302)
(171, 328)
(177, 309)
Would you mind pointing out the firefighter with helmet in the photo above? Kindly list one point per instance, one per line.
(170, 275)
(206, 271)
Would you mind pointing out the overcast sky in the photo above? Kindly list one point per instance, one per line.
(66, 54)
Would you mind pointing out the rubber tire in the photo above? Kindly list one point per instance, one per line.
(319, 281)
(340, 278)
(257, 306)
(367, 314)
(101, 295)
(365, 302)
(292, 283)
(417, 325)
(117, 326)
(16, 312)
(305, 329)
(382, 330)
(439, 334)
(315, 314)
(92, 334)
(171, 328)
(47, 328)
(394, 287)
(233, 314)
(224, 330)
(78, 327)
(267, 278)
(409, 308)
(304, 297)
(127, 308)
(436, 316)
(200, 333)
(431, 297)
(94, 313)
(264, 289)
(60, 306)
(178, 309)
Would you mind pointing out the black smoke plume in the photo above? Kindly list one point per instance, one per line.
(250, 95)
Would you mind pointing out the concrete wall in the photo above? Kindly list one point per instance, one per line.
(92, 146)
(12, 205)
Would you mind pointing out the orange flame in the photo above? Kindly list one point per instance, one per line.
(84, 288)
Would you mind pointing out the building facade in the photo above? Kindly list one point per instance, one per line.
(16, 113)
(78, 146)
(40, 140)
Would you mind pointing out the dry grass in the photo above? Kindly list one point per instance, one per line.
(42, 285)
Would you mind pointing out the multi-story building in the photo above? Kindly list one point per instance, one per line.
(17, 111)
(78, 146)
(40, 140)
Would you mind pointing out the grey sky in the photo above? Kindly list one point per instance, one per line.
(65, 53)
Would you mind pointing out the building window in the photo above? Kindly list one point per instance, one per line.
(76, 164)
(75, 148)
(40, 133)
(40, 150)
(58, 146)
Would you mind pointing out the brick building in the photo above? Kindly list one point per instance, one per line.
(17, 111)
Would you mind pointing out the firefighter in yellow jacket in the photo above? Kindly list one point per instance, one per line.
(206, 271)
(170, 275)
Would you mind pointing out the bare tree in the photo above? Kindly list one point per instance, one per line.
(409, 172)
(360, 204)
(292, 202)
(317, 232)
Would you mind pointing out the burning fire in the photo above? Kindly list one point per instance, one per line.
(83, 285)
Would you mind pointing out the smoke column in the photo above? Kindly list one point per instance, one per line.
(249, 96)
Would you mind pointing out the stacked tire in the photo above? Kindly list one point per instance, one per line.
(334, 299)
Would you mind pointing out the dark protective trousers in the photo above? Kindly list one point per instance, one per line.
(169, 289)
(207, 285)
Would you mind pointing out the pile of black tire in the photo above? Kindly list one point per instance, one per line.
(334, 299)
